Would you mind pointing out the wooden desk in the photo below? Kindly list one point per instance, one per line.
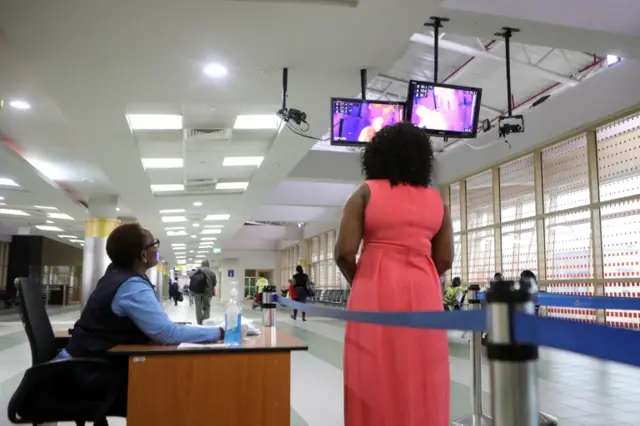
(247, 385)
(62, 338)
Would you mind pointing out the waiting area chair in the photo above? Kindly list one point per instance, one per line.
(51, 391)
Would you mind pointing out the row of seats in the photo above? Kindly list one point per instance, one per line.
(331, 297)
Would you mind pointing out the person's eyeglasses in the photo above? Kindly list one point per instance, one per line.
(155, 243)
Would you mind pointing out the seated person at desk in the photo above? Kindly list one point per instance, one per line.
(123, 308)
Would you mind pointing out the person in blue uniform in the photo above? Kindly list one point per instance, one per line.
(123, 308)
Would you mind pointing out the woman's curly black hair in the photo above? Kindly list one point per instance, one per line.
(401, 153)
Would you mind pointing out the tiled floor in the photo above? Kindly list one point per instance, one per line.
(579, 390)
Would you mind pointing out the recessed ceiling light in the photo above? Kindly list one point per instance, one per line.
(176, 233)
(181, 262)
(18, 104)
(211, 231)
(67, 236)
(155, 121)
(242, 161)
(162, 163)
(208, 239)
(12, 212)
(217, 250)
(195, 225)
(200, 256)
(1, 198)
(7, 182)
(49, 221)
(214, 226)
(191, 251)
(215, 70)
(46, 207)
(256, 122)
(218, 217)
(194, 236)
(172, 187)
(232, 185)
(172, 211)
(178, 244)
(612, 59)
(197, 204)
(174, 228)
(117, 209)
(48, 228)
(62, 216)
(173, 219)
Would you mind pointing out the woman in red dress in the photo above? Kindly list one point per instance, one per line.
(395, 376)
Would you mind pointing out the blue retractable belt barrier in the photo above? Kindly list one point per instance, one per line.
(452, 320)
(595, 340)
(584, 302)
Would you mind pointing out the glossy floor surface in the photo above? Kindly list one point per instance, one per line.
(579, 390)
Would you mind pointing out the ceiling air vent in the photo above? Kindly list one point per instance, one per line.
(200, 186)
(207, 134)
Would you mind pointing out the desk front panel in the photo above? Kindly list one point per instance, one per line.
(231, 389)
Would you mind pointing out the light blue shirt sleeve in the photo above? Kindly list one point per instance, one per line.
(136, 300)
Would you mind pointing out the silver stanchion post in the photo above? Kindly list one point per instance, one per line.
(514, 383)
(477, 417)
(268, 306)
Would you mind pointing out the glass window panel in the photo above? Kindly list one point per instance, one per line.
(454, 206)
(517, 190)
(322, 249)
(315, 248)
(331, 242)
(622, 319)
(619, 158)
(519, 249)
(481, 256)
(620, 242)
(456, 267)
(480, 200)
(565, 179)
(568, 246)
(574, 314)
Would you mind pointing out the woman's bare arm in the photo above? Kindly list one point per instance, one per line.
(442, 244)
(351, 231)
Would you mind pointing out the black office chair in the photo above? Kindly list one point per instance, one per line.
(74, 390)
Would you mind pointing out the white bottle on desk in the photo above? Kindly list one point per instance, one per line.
(233, 319)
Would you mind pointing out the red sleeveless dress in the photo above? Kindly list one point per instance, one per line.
(396, 376)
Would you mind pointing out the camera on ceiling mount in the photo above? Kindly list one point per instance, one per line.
(510, 124)
(292, 114)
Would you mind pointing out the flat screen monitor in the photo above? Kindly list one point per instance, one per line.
(443, 109)
(355, 121)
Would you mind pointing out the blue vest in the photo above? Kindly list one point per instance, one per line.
(99, 329)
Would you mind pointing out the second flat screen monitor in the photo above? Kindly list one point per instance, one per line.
(444, 110)
(355, 121)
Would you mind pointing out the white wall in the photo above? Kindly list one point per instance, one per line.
(596, 99)
(240, 260)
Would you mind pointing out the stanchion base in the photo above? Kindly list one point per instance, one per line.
(547, 420)
(473, 420)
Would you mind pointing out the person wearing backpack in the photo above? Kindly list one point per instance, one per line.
(202, 283)
(301, 286)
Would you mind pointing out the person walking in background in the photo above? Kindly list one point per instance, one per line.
(202, 283)
(187, 292)
(174, 292)
(395, 375)
(300, 283)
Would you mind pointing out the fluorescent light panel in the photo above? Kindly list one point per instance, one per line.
(13, 212)
(18, 104)
(208, 239)
(77, 241)
(232, 185)
(48, 228)
(7, 182)
(256, 122)
(173, 219)
(162, 163)
(176, 233)
(155, 121)
(169, 211)
(214, 226)
(242, 161)
(174, 228)
(210, 231)
(46, 207)
(61, 216)
(217, 217)
(67, 236)
(172, 187)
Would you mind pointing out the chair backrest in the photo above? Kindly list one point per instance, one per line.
(35, 320)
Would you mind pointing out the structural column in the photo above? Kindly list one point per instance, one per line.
(103, 220)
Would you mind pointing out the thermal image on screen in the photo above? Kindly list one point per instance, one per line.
(359, 121)
(444, 109)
